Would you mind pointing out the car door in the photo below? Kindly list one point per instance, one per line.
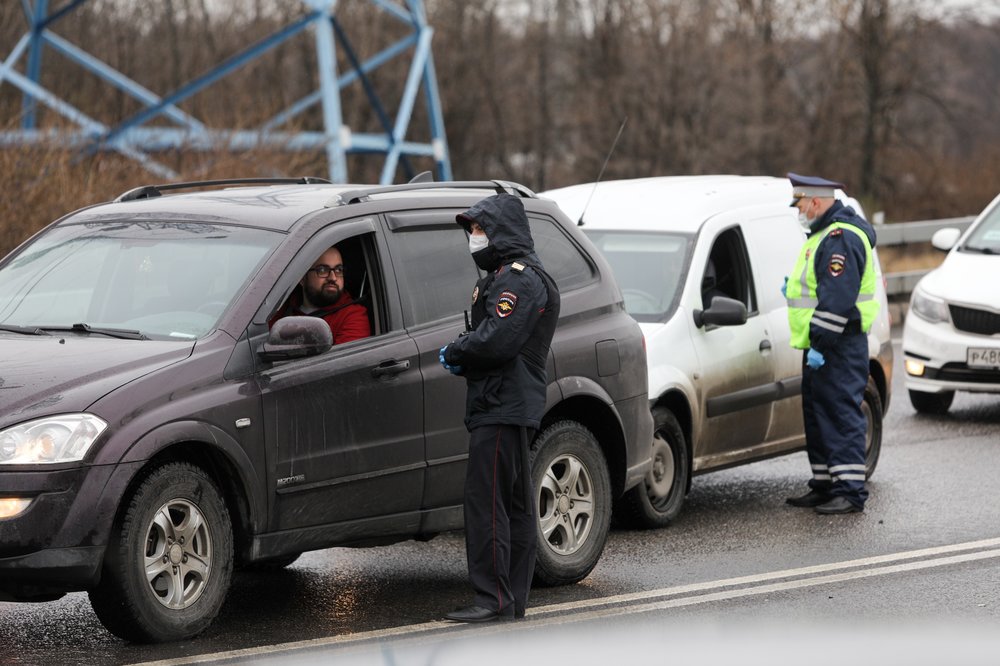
(736, 374)
(344, 429)
(436, 275)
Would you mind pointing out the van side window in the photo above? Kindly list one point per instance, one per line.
(560, 256)
(727, 271)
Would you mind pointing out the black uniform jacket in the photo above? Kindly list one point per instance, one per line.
(514, 313)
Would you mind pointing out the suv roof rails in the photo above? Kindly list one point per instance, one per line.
(360, 195)
(150, 191)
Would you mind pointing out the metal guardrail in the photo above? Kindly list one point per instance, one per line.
(902, 233)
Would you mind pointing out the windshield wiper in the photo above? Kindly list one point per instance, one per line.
(980, 250)
(123, 333)
(26, 330)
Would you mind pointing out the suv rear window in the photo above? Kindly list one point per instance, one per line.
(560, 256)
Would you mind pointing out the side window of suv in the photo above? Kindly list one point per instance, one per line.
(560, 256)
(727, 272)
(433, 267)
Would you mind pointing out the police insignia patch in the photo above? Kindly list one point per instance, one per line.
(506, 304)
(475, 294)
(836, 232)
(837, 262)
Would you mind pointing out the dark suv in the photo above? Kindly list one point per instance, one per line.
(155, 431)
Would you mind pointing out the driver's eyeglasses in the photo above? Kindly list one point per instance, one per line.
(322, 271)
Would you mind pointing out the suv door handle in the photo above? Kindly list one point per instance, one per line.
(765, 345)
(390, 368)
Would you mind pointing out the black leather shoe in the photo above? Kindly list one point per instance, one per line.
(838, 505)
(474, 614)
(810, 499)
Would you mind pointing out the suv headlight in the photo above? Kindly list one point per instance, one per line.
(926, 307)
(53, 439)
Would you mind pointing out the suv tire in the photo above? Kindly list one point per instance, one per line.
(175, 520)
(658, 500)
(573, 495)
(931, 403)
(871, 406)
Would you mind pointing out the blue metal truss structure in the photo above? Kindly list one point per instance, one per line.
(136, 139)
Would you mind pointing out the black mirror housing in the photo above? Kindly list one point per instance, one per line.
(722, 312)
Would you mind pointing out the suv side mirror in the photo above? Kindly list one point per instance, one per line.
(296, 337)
(945, 239)
(723, 311)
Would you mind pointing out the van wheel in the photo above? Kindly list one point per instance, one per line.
(871, 407)
(931, 403)
(658, 500)
(573, 494)
(170, 558)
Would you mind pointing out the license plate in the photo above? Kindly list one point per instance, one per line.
(983, 357)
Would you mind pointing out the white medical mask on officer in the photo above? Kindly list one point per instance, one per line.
(804, 220)
(477, 242)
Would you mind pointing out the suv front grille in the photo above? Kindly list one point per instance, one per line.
(980, 322)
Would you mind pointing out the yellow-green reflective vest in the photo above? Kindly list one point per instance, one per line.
(801, 290)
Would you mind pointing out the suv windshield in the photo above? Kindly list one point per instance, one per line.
(985, 237)
(649, 269)
(161, 279)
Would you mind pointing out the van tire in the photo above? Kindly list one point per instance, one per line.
(871, 406)
(156, 524)
(658, 499)
(573, 500)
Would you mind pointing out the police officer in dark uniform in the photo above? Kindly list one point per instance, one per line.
(831, 307)
(503, 357)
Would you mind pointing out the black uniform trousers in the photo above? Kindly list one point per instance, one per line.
(500, 538)
(836, 428)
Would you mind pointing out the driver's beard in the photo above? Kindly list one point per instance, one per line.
(320, 298)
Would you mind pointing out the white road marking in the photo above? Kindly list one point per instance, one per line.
(643, 602)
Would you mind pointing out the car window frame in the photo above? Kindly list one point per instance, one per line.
(384, 297)
(428, 219)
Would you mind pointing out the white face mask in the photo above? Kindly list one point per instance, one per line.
(804, 221)
(477, 242)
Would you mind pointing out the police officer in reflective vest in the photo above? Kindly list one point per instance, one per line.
(831, 307)
(503, 358)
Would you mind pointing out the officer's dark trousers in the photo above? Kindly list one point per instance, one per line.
(500, 521)
(835, 425)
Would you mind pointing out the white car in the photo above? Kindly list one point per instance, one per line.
(701, 261)
(951, 336)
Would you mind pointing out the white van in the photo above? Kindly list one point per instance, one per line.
(701, 261)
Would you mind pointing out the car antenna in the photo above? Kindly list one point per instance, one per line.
(621, 129)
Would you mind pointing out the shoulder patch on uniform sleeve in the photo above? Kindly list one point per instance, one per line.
(475, 294)
(506, 304)
(517, 267)
(836, 232)
(837, 263)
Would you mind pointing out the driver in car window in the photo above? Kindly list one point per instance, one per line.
(322, 294)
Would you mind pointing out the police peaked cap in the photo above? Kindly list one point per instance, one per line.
(812, 186)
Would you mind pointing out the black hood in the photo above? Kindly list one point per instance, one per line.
(838, 212)
(502, 218)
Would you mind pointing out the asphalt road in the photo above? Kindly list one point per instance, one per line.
(739, 577)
